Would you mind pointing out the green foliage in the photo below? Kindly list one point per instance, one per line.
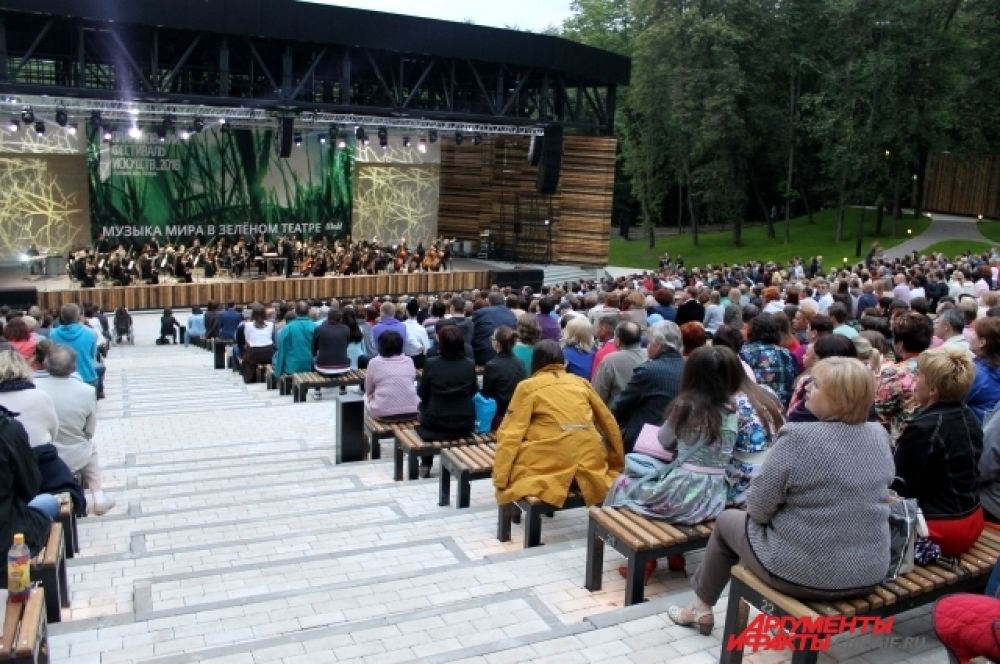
(716, 247)
(990, 229)
(738, 106)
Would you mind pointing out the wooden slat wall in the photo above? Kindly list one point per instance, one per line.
(479, 182)
(186, 295)
(958, 186)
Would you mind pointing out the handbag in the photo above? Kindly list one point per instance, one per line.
(486, 411)
(648, 443)
(905, 523)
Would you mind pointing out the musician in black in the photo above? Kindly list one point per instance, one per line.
(85, 271)
(147, 268)
(287, 251)
(182, 271)
(35, 266)
(101, 244)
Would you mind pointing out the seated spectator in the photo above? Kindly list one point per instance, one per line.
(257, 337)
(294, 352)
(418, 342)
(578, 347)
(20, 339)
(732, 338)
(759, 417)
(330, 342)
(76, 409)
(390, 392)
(553, 437)
(653, 384)
(228, 321)
(32, 407)
(195, 328)
(937, 453)
(700, 429)
(985, 391)
(23, 508)
(447, 386)
(83, 342)
(894, 401)
(692, 336)
(664, 304)
(616, 370)
(805, 480)
(606, 342)
(168, 328)
(830, 345)
(503, 373)
(360, 338)
(949, 327)
(528, 334)
(714, 313)
(989, 468)
(773, 366)
(485, 321)
(548, 325)
(123, 324)
(839, 313)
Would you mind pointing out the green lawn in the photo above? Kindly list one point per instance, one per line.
(807, 240)
(990, 229)
(956, 247)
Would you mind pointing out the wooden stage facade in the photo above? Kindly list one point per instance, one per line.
(161, 296)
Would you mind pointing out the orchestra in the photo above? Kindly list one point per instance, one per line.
(288, 255)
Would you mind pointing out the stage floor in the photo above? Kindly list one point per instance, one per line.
(18, 277)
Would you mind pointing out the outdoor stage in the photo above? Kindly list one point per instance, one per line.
(56, 291)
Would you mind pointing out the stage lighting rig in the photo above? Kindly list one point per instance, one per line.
(13, 125)
(62, 117)
(198, 124)
(95, 120)
(432, 135)
(39, 127)
(459, 138)
(406, 141)
(27, 115)
(383, 137)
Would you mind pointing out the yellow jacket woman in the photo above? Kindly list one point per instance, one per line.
(551, 437)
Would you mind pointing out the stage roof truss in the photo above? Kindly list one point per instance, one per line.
(87, 59)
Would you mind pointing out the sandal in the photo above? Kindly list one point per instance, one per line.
(688, 617)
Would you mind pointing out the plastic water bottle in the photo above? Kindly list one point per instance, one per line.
(18, 570)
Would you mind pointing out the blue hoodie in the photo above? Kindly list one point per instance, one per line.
(84, 343)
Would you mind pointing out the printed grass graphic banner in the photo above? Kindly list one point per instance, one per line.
(218, 183)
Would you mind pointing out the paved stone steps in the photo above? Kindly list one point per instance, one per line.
(237, 539)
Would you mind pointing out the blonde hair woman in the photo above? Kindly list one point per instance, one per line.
(34, 408)
(804, 481)
(578, 346)
(938, 450)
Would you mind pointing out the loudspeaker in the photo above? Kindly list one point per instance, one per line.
(518, 278)
(535, 150)
(19, 298)
(287, 130)
(551, 160)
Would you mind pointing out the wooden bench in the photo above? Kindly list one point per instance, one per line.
(531, 511)
(923, 585)
(25, 631)
(639, 539)
(67, 518)
(466, 464)
(303, 382)
(49, 568)
(409, 443)
(376, 430)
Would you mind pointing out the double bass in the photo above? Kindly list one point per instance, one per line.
(400, 258)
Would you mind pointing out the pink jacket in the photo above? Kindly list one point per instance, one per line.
(389, 386)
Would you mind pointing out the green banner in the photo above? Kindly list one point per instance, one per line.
(218, 183)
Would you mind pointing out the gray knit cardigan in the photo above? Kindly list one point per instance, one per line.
(818, 511)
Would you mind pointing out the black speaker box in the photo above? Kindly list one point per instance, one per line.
(287, 131)
(535, 150)
(19, 298)
(551, 160)
(518, 278)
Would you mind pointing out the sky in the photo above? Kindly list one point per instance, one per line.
(533, 15)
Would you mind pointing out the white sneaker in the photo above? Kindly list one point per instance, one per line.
(103, 507)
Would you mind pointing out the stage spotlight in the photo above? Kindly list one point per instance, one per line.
(27, 115)
(406, 141)
(477, 139)
(359, 134)
(459, 138)
(62, 117)
(108, 133)
(322, 140)
(198, 125)
(341, 143)
(297, 138)
(95, 120)
(39, 127)
(135, 132)
(71, 130)
(383, 137)
(185, 134)
(432, 135)
(13, 125)
(222, 121)
(422, 146)
(165, 127)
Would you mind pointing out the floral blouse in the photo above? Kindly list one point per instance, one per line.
(752, 440)
(894, 401)
(773, 366)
